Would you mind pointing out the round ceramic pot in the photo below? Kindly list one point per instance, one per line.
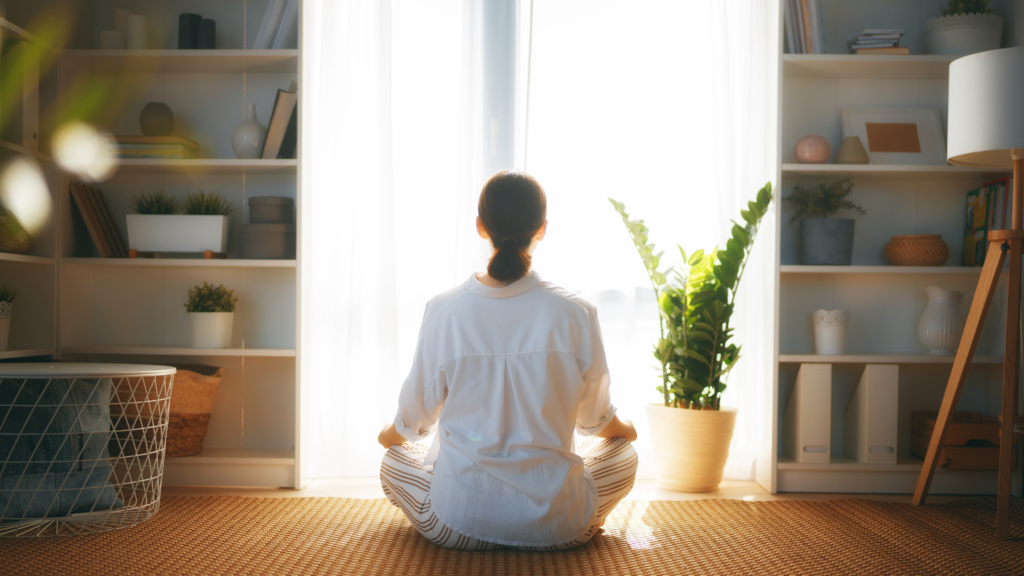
(211, 329)
(690, 446)
(826, 241)
(5, 324)
(963, 34)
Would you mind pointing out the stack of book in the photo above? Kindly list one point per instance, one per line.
(162, 147)
(878, 41)
(805, 31)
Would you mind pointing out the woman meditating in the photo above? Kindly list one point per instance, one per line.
(506, 367)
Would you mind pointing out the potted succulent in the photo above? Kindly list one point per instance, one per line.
(695, 304)
(7, 295)
(211, 314)
(157, 226)
(824, 241)
(965, 27)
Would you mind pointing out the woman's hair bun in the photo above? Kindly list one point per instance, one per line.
(512, 207)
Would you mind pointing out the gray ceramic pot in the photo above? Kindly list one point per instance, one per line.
(826, 241)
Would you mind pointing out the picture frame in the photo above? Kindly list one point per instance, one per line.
(903, 136)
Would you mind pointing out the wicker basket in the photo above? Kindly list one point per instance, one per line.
(195, 386)
(13, 237)
(917, 250)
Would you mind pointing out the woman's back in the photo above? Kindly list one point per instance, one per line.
(516, 369)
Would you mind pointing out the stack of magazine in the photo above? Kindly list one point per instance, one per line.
(158, 147)
(878, 41)
(805, 30)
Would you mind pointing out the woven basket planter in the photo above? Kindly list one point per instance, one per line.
(917, 250)
(195, 387)
(690, 446)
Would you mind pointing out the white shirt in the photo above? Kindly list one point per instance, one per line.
(510, 372)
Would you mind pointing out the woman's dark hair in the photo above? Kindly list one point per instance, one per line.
(512, 208)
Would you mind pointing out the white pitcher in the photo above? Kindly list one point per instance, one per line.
(942, 323)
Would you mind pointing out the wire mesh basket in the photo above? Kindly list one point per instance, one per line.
(82, 446)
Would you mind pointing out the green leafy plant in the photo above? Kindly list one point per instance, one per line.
(154, 203)
(823, 201)
(967, 7)
(695, 308)
(210, 298)
(206, 204)
(7, 294)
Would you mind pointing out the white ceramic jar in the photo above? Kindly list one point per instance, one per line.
(830, 331)
(942, 323)
(211, 329)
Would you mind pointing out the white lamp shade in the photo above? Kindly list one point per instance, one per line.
(986, 108)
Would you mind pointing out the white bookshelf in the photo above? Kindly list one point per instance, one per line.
(885, 302)
(87, 308)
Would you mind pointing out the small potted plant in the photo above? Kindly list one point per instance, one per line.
(824, 241)
(211, 314)
(7, 295)
(690, 429)
(157, 226)
(965, 27)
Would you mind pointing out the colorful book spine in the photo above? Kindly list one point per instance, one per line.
(976, 227)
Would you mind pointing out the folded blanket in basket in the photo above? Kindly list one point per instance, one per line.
(53, 448)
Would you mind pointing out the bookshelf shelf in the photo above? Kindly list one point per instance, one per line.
(889, 358)
(186, 61)
(858, 66)
(27, 353)
(178, 351)
(207, 166)
(799, 269)
(177, 263)
(890, 172)
(24, 259)
(8, 147)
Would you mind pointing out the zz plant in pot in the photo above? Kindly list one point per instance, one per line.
(211, 313)
(165, 224)
(965, 27)
(825, 240)
(7, 296)
(696, 301)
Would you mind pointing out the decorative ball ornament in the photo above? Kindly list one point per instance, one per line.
(813, 150)
(156, 119)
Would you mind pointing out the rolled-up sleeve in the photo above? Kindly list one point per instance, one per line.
(596, 409)
(423, 393)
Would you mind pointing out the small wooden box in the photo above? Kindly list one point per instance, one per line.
(972, 442)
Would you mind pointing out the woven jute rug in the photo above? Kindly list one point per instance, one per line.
(212, 535)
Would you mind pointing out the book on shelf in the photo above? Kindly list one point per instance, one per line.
(986, 211)
(167, 147)
(805, 29)
(98, 221)
(150, 140)
(877, 39)
(281, 119)
(884, 51)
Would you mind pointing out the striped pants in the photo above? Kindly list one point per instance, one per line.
(612, 463)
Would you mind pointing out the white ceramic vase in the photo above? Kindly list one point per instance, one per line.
(942, 323)
(248, 137)
(690, 446)
(138, 32)
(211, 329)
(5, 324)
(963, 34)
(830, 331)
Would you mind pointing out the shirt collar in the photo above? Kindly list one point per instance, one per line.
(514, 289)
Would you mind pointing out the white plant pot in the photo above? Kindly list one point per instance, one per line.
(5, 324)
(963, 34)
(690, 446)
(830, 331)
(211, 329)
(177, 233)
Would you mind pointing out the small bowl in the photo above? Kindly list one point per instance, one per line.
(917, 250)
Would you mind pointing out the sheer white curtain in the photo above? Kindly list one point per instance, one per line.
(664, 105)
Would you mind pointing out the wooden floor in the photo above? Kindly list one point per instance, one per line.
(367, 488)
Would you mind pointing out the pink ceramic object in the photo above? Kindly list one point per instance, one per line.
(813, 150)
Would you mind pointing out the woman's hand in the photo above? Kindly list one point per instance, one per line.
(618, 429)
(388, 436)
